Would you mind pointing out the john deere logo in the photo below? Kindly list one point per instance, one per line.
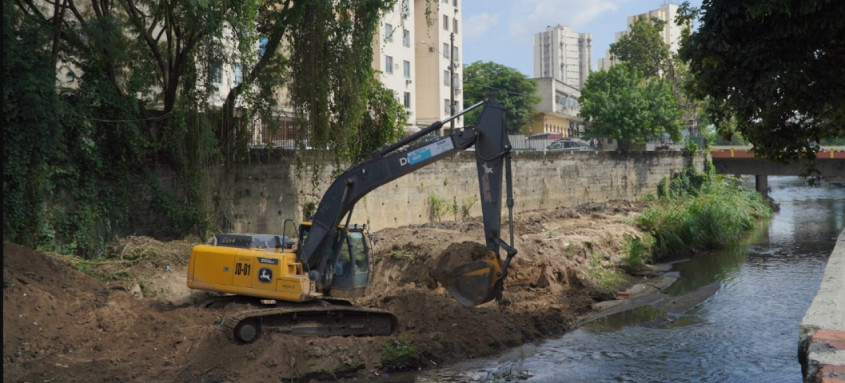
(265, 275)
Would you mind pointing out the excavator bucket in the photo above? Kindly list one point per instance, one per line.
(476, 282)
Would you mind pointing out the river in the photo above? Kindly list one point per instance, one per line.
(746, 332)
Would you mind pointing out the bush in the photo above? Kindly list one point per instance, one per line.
(399, 354)
(700, 211)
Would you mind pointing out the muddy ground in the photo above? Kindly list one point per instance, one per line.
(133, 319)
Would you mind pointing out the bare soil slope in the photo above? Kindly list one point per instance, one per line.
(139, 322)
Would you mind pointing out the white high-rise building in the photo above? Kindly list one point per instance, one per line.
(671, 33)
(563, 55)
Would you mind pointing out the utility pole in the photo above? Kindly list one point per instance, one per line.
(452, 79)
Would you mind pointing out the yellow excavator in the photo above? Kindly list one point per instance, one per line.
(305, 275)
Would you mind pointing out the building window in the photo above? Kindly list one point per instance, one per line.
(446, 22)
(217, 74)
(406, 9)
(446, 78)
(406, 68)
(447, 107)
(455, 53)
(456, 77)
(446, 50)
(388, 64)
(406, 38)
(407, 99)
(262, 45)
(239, 75)
(388, 32)
(455, 26)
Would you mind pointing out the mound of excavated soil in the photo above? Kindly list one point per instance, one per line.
(139, 322)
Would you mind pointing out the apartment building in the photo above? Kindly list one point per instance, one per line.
(671, 33)
(563, 54)
(558, 109)
(438, 55)
(393, 55)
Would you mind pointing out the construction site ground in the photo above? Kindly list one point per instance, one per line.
(133, 319)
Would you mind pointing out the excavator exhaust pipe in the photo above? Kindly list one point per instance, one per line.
(476, 282)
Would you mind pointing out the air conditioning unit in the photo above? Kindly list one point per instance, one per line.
(431, 49)
(408, 81)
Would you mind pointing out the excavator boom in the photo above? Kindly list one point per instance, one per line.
(472, 284)
(299, 285)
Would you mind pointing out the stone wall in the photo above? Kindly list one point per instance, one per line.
(260, 196)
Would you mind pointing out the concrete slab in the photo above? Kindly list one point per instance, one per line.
(821, 344)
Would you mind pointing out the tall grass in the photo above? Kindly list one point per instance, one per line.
(699, 211)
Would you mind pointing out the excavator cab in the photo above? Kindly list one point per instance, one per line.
(348, 261)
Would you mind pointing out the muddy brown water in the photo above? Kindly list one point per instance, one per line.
(746, 332)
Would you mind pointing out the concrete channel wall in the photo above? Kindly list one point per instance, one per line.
(258, 197)
(821, 346)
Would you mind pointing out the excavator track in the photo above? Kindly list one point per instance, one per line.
(325, 317)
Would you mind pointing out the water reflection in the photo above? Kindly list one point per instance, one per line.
(747, 332)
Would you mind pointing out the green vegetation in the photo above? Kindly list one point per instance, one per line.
(438, 207)
(399, 354)
(507, 86)
(603, 272)
(697, 211)
(640, 251)
(83, 157)
(467, 204)
(619, 103)
(642, 47)
(770, 70)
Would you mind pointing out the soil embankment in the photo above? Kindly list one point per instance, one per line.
(139, 322)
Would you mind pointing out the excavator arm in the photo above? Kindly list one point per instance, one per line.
(473, 283)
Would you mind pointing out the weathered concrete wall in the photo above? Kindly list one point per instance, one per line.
(258, 197)
(821, 345)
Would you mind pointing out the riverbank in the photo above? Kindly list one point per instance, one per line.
(131, 318)
(821, 346)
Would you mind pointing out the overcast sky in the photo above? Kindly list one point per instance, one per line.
(503, 31)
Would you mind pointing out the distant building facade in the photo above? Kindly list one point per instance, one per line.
(564, 55)
(415, 57)
(438, 71)
(558, 109)
(671, 33)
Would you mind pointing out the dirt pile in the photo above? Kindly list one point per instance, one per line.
(137, 321)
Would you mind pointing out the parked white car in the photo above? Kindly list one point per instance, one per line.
(569, 145)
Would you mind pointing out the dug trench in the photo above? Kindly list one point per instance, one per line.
(132, 318)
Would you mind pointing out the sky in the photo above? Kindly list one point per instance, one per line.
(502, 31)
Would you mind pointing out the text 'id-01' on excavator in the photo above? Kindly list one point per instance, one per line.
(305, 274)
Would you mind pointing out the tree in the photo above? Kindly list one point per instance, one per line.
(512, 89)
(643, 48)
(775, 66)
(618, 103)
(141, 100)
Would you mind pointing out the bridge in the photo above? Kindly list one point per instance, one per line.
(830, 162)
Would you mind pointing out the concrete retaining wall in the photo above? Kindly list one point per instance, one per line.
(258, 197)
(821, 346)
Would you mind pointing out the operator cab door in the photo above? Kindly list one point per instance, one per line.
(352, 264)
